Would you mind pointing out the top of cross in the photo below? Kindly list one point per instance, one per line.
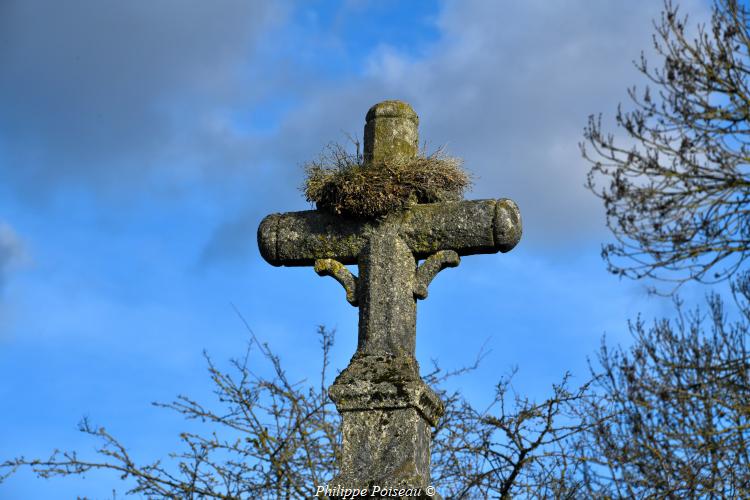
(391, 132)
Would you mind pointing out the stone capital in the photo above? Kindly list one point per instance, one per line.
(372, 382)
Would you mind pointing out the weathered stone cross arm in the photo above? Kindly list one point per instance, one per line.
(327, 241)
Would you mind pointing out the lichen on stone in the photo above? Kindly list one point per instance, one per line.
(344, 184)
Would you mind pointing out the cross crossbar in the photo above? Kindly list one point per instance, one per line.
(466, 227)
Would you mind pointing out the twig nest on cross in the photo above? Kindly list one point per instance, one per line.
(390, 175)
(344, 184)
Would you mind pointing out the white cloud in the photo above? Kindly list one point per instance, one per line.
(103, 94)
(509, 87)
(151, 90)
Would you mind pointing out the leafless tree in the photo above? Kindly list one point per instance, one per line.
(676, 190)
(673, 416)
(514, 448)
(269, 437)
(674, 421)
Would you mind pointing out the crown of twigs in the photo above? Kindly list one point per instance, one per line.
(339, 182)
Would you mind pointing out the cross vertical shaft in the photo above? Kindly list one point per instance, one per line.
(386, 408)
(388, 310)
(387, 307)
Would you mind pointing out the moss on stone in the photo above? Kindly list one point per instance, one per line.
(391, 132)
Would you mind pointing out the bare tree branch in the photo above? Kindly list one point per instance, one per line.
(271, 438)
(677, 201)
(678, 408)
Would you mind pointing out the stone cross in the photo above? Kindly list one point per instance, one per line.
(386, 407)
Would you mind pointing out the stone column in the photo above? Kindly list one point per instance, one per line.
(386, 408)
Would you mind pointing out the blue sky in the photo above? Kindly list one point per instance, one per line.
(142, 142)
